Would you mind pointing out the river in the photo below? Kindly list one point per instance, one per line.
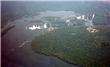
(17, 52)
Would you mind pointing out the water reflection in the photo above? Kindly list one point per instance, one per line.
(44, 26)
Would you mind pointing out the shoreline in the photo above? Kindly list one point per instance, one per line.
(41, 53)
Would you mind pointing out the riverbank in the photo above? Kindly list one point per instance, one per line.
(82, 48)
(19, 54)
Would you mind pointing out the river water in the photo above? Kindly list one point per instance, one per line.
(16, 47)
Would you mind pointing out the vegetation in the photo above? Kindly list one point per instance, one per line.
(76, 45)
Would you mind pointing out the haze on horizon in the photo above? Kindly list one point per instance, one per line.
(54, 0)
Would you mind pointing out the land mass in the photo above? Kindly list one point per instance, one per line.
(76, 45)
